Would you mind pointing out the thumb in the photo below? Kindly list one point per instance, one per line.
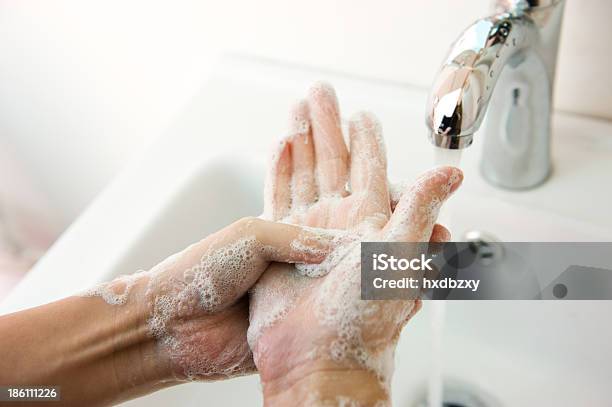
(416, 213)
(223, 266)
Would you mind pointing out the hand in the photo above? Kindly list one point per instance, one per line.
(194, 303)
(314, 336)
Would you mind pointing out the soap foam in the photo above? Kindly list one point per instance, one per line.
(209, 286)
(219, 277)
(337, 305)
(338, 241)
(274, 295)
(272, 298)
(396, 190)
(115, 292)
(339, 308)
(415, 216)
(271, 187)
(367, 126)
(298, 122)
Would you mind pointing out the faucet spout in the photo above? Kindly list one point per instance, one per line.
(501, 67)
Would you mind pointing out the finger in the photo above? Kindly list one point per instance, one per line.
(303, 157)
(396, 190)
(330, 150)
(277, 191)
(224, 265)
(416, 307)
(440, 234)
(415, 215)
(369, 163)
(282, 242)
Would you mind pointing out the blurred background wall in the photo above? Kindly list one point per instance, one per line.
(84, 85)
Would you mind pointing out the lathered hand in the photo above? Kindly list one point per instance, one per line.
(314, 341)
(194, 302)
(185, 319)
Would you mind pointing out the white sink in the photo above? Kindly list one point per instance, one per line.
(208, 171)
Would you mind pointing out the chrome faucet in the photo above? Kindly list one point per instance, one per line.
(503, 67)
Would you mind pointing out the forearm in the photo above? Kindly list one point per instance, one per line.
(97, 353)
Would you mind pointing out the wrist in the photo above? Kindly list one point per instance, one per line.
(326, 383)
(139, 365)
(190, 343)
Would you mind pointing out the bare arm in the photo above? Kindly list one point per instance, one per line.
(97, 353)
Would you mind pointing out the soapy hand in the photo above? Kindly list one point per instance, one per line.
(194, 301)
(312, 337)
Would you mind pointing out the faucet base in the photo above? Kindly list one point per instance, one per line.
(501, 183)
(516, 146)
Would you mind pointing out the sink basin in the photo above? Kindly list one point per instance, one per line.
(208, 171)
